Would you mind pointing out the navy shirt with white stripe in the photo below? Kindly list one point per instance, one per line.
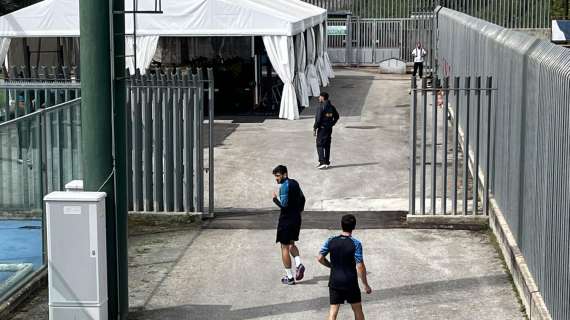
(345, 253)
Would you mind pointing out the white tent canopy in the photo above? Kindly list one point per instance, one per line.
(275, 20)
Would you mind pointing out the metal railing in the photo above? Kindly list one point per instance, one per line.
(166, 123)
(450, 136)
(508, 13)
(529, 149)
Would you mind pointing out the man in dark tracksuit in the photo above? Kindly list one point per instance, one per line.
(291, 201)
(346, 264)
(325, 119)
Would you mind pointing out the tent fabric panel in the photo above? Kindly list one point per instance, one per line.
(301, 83)
(146, 48)
(312, 76)
(321, 71)
(4, 46)
(281, 54)
(180, 18)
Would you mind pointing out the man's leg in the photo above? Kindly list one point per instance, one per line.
(320, 146)
(333, 312)
(415, 69)
(421, 67)
(327, 149)
(286, 257)
(357, 309)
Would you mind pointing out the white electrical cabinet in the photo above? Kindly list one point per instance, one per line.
(77, 256)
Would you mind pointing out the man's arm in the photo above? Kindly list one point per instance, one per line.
(335, 115)
(361, 269)
(283, 200)
(317, 119)
(324, 261)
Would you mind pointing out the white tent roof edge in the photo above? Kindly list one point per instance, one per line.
(60, 18)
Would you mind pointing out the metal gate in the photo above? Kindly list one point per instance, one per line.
(451, 135)
(166, 140)
(353, 41)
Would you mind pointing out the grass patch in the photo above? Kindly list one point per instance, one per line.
(496, 245)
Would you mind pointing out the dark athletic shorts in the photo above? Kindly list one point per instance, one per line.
(338, 296)
(287, 234)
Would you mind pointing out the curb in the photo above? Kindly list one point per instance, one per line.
(516, 263)
(37, 281)
(461, 222)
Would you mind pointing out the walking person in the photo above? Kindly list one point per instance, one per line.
(419, 53)
(291, 201)
(346, 264)
(325, 119)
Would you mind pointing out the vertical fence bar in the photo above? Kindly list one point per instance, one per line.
(466, 145)
(168, 152)
(157, 131)
(413, 146)
(189, 106)
(423, 161)
(445, 142)
(488, 155)
(211, 162)
(198, 171)
(457, 92)
(178, 144)
(434, 147)
(148, 100)
(477, 146)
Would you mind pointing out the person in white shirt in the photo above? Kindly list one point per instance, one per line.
(419, 53)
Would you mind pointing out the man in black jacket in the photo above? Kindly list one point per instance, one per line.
(291, 201)
(325, 119)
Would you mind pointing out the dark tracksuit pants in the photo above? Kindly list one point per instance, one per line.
(418, 66)
(324, 137)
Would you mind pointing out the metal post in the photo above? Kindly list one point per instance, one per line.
(456, 91)
(444, 151)
(466, 145)
(98, 142)
(413, 138)
(423, 161)
(434, 147)
(211, 162)
(120, 156)
(476, 160)
(488, 156)
(349, 39)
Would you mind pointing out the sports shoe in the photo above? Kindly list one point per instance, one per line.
(287, 280)
(322, 166)
(300, 272)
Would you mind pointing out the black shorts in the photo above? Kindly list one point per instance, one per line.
(287, 234)
(339, 296)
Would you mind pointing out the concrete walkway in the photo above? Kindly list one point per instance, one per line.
(229, 268)
(369, 150)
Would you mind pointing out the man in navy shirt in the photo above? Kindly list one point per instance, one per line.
(346, 264)
(291, 201)
(325, 119)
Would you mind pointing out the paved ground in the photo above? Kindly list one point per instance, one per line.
(369, 150)
(229, 268)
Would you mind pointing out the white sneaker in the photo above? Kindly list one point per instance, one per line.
(322, 166)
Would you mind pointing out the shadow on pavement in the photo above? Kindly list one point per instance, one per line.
(396, 294)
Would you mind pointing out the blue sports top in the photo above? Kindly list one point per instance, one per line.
(345, 253)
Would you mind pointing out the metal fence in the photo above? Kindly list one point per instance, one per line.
(166, 137)
(529, 173)
(507, 13)
(443, 150)
(371, 41)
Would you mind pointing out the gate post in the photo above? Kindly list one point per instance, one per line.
(348, 38)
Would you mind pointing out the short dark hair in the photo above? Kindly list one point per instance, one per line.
(281, 169)
(348, 223)
(325, 95)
